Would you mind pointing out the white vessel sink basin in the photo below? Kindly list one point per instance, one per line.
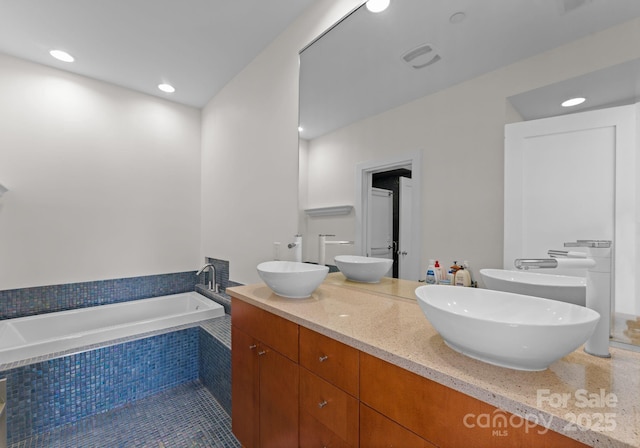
(292, 279)
(505, 329)
(550, 286)
(363, 269)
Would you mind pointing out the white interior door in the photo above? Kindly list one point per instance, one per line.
(408, 259)
(381, 225)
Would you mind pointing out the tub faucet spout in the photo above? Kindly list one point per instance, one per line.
(213, 286)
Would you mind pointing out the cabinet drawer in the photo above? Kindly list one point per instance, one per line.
(276, 332)
(330, 359)
(314, 434)
(377, 431)
(443, 416)
(330, 406)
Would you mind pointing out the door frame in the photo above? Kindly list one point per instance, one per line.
(405, 206)
(364, 174)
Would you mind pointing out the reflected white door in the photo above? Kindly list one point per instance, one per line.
(380, 220)
(567, 177)
(407, 256)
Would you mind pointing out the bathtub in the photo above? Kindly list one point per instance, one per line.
(65, 331)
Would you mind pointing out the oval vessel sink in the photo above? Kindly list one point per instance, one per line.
(292, 279)
(550, 286)
(508, 330)
(363, 269)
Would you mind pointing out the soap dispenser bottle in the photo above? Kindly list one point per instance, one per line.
(440, 273)
(462, 277)
(453, 270)
(432, 277)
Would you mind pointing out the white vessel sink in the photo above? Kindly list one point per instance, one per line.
(550, 286)
(363, 269)
(292, 279)
(505, 329)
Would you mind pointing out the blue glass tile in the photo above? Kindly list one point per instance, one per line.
(47, 299)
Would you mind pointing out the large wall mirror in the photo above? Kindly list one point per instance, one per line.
(442, 79)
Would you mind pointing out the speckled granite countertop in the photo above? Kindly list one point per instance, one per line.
(385, 321)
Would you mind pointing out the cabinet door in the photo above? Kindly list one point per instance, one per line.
(279, 380)
(330, 406)
(377, 431)
(446, 417)
(245, 410)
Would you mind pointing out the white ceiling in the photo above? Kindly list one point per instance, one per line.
(356, 70)
(195, 45)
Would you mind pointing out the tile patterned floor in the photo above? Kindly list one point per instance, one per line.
(186, 416)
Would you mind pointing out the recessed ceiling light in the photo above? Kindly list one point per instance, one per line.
(573, 102)
(377, 5)
(300, 129)
(167, 88)
(62, 55)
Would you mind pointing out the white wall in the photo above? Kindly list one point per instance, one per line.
(460, 132)
(250, 151)
(104, 182)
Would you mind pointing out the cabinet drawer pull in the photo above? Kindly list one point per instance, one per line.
(262, 352)
(252, 346)
(322, 404)
(323, 358)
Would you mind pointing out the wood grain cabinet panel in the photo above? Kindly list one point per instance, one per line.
(314, 434)
(278, 333)
(245, 388)
(265, 384)
(330, 406)
(330, 359)
(445, 417)
(279, 383)
(377, 431)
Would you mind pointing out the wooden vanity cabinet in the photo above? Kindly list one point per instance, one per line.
(265, 378)
(292, 387)
(329, 384)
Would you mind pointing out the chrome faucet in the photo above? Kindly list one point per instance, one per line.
(213, 286)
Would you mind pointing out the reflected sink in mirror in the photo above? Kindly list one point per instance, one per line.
(549, 286)
(504, 329)
(363, 269)
(291, 279)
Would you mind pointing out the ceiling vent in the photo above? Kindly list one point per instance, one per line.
(566, 6)
(421, 56)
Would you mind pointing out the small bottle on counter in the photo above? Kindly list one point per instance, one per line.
(463, 278)
(452, 272)
(432, 276)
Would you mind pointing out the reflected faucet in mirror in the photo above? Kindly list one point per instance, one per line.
(297, 245)
(322, 246)
(598, 292)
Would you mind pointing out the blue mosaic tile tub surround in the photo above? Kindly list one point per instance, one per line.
(215, 359)
(47, 299)
(52, 393)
